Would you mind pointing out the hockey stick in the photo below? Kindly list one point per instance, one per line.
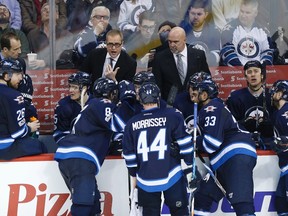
(210, 172)
(191, 199)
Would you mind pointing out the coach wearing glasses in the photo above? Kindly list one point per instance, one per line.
(95, 32)
(112, 61)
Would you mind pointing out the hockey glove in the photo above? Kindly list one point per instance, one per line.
(250, 124)
(175, 150)
(280, 144)
(193, 182)
(266, 128)
(126, 90)
(26, 88)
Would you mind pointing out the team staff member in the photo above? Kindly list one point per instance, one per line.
(175, 65)
(14, 132)
(149, 157)
(111, 62)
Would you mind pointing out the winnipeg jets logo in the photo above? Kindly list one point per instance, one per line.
(248, 48)
(285, 115)
(210, 108)
(19, 99)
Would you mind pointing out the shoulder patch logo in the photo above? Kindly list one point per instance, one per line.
(19, 99)
(210, 108)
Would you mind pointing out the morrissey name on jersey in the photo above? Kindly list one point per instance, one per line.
(152, 122)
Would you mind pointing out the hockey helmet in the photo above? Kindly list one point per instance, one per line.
(149, 93)
(208, 86)
(80, 78)
(10, 66)
(280, 85)
(198, 77)
(143, 76)
(103, 87)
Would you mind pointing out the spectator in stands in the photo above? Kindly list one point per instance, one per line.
(15, 13)
(173, 67)
(244, 40)
(93, 34)
(128, 19)
(68, 108)
(31, 14)
(224, 11)
(5, 26)
(14, 132)
(112, 62)
(200, 30)
(163, 31)
(39, 39)
(173, 10)
(251, 106)
(140, 43)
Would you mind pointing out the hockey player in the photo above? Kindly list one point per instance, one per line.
(231, 152)
(14, 132)
(130, 104)
(69, 107)
(251, 106)
(183, 101)
(279, 94)
(147, 150)
(81, 153)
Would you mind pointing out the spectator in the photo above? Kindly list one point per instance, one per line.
(229, 149)
(158, 160)
(14, 138)
(68, 108)
(224, 11)
(140, 43)
(31, 14)
(173, 10)
(200, 31)
(244, 40)
(163, 32)
(39, 39)
(251, 106)
(168, 70)
(112, 61)
(6, 26)
(15, 13)
(94, 34)
(279, 93)
(128, 20)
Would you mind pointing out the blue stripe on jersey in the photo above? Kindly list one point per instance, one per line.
(184, 140)
(20, 133)
(187, 150)
(230, 151)
(284, 170)
(5, 143)
(201, 213)
(210, 144)
(77, 152)
(160, 184)
(59, 135)
(117, 124)
(130, 160)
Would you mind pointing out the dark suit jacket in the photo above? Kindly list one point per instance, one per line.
(94, 62)
(166, 73)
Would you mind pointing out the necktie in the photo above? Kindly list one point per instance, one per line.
(111, 62)
(180, 68)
